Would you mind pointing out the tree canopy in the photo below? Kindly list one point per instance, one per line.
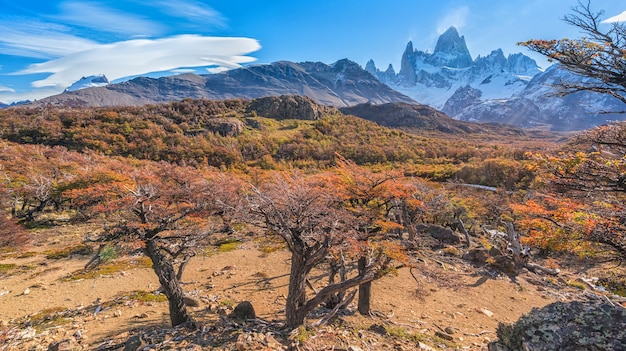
(599, 53)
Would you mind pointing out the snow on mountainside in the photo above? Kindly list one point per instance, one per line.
(89, 82)
(495, 88)
(433, 78)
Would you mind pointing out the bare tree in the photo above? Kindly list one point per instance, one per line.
(599, 53)
(167, 212)
(308, 216)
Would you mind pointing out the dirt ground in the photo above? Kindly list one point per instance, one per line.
(450, 299)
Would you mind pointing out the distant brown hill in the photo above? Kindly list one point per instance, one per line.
(424, 118)
(343, 83)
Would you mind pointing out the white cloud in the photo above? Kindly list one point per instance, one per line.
(3, 88)
(142, 56)
(456, 18)
(104, 19)
(192, 10)
(32, 38)
(618, 18)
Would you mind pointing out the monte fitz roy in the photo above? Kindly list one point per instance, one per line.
(509, 89)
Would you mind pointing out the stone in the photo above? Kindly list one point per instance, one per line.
(63, 345)
(133, 343)
(486, 312)
(590, 325)
(244, 310)
(443, 234)
(191, 302)
(449, 330)
(117, 313)
(444, 336)
(422, 346)
(26, 292)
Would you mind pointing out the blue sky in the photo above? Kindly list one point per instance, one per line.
(47, 45)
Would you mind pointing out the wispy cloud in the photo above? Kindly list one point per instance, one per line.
(3, 88)
(33, 38)
(192, 11)
(101, 18)
(618, 18)
(141, 56)
(457, 18)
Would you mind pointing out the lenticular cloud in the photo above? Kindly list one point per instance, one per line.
(142, 56)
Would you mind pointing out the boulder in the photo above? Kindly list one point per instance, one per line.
(565, 326)
(443, 234)
(244, 310)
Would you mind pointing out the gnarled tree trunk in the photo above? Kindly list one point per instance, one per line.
(296, 297)
(170, 284)
(365, 289)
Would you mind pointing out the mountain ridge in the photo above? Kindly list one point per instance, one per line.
(342, 83)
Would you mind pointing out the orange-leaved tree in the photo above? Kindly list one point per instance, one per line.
(163, 210)
(307, 213)
(369, 198)
(588, 185)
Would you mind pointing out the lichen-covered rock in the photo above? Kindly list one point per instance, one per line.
(566, 326)
(289, 107)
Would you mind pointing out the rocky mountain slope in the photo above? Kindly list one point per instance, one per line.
(343, 83)
(495, 88)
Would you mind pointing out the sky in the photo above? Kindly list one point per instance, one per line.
(47, 45)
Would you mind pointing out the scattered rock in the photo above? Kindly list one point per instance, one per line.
(191, 302)
(26, 292)
(422, 346)
(244, 310)
(133, 343)
(566, 326)
(444, 336)
(449, 330)
(377, 328)
(117, 313)
(63, 345)
(438, 232)
(486, 312)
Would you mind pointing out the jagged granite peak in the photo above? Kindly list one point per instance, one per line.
(451, 50)
(494, 61)
(370, 66)
(407, 66)
(343, 83)
(522, 65)
(99, 80)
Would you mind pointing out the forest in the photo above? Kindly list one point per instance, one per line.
(345, 197)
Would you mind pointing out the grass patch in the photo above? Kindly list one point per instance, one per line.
(577, 285)
(227, 303)
(49, 317)
(403, 333)
(109, 269)
(144, 296)
(228, 245)
(302, 334)
(69, 251)
(6, 268)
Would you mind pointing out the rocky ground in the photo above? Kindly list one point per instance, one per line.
(48, 303)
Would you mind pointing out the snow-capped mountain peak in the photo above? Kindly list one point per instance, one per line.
(89, 82)
(432, 78)
(451, 50)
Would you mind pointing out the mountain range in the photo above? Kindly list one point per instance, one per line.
(343, 83)
(509, 89)
(496, 88)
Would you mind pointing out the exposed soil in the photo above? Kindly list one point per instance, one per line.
(444, 303)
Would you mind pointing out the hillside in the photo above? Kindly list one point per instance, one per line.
(343, 83)
(119, 222)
